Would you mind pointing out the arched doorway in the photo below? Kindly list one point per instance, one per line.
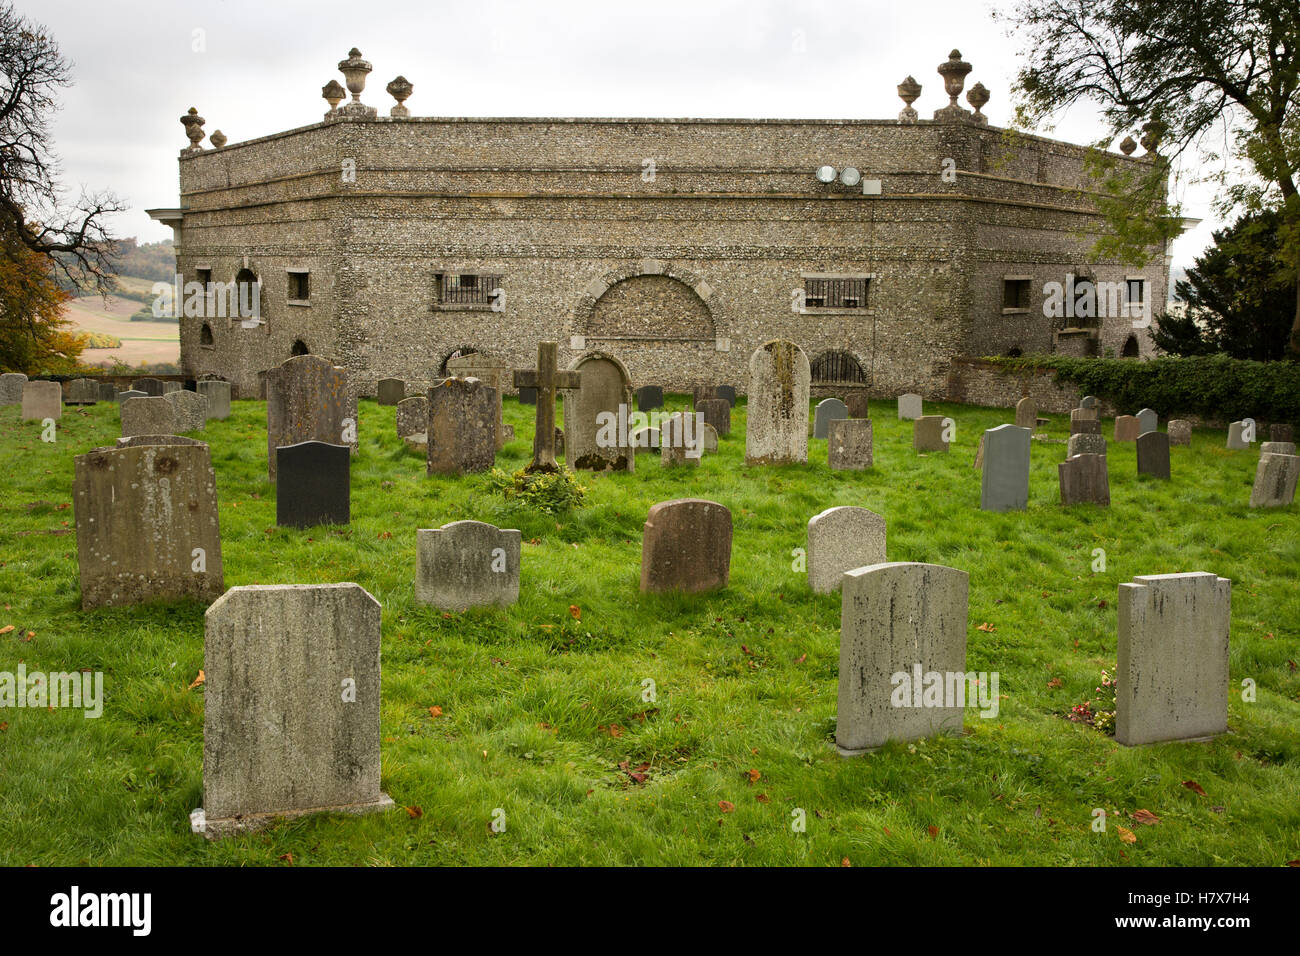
(299, 348)
(1130, 347)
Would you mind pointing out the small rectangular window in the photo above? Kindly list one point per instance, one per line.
(473, 290)
(1015, 293)
(847, 292)
(1137, 291)
(299, 286)
(203, 277)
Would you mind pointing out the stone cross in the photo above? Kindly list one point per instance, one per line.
(546, 378)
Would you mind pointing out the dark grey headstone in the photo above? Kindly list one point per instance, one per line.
(313, 485)
(391, 391)
(107, 392)
(1153, 454)
(728, 392)
(527, 395)
(649, 397)
(152, 387)
(1084, 480)
(827, 411)
(1085, 426)
(1280, 432)
(1005, 482)
(716, 412)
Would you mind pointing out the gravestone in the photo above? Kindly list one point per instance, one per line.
(827, 411)
(189, 408)
(1089, 402)
(1085, 426)
(148, 416)
(83, 391)
(1275, 481)
(11, 388)
(779, 380)
(1026, 414)
(1148, 421)
(595, 416)
(858, 404)
(909, 406)
(649, 397)
(1277, 448)
(717, 412)
(644, 439)
(1127, 428)
(927, 434)
(1172, 679)
(546, 379)
(461, 432)
(1237, 434)
(391, 391)
(686, 546)
(702, 392)
(313, 485)
(42, 400)
(1276, 432)
(841, 539)
(153, 387)
(169, 387)
(1085, 445)
(708, 437)
(291, 706)
(467, 564)
(491, 371)
(727, 393)
(146, 518)
(218, 395)
(107, 392)
(412, 416)
(1084, 480)
(849, 444)
(527, 395)
(131, 393)
(680, 439)
(1179, 431)
(905, 619)
(1083, 415)
(1005, 482)
(307, 399)
(1153, 454)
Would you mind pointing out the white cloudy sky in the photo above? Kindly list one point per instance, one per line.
(263, 62)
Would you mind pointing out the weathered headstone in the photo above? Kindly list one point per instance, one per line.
(1085, 426)
(779, 380)
(595, 416)
(461, 431)
(313, 485)
(680, 439)
(153, 387)
(1172, 680)
(190, 410)
(147, 527)
(1275, 481)
(1085, 445)
(909, 405)
(1005, 482)
(1276, 432)
(728, 393)
(42, 400)
(1127, 428)
(107, 392)
(148, 416)
(390, 390)
(686, 546)
(307, 399)
(492, 372)
(1148, 421)
(928, 434)
(1026, 414)
(218, 395)
(649, 397)
(467, 564)
(545, 379)
(701, 392)
(291, 706)
(858, 404)
(169, 386)
(1089, 402)
(827, 411)
(1179, 431)
(11, 388)
(412, 416)
(83, 391)
(902, 626)
(1277, 448)
(717, 412)
(1238, 432)
(527, 395)
(1153, 454)
(709, 437)
(132, 393)
(1083, 415)
(841, 539)
(1084, 480)
(849, 444)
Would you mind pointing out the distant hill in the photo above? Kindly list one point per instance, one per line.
(142, 263)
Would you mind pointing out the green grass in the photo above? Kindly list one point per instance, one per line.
(746, 677)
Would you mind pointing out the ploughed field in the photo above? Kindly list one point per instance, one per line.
(535, 715)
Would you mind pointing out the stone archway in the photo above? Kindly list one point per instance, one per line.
(649, 300)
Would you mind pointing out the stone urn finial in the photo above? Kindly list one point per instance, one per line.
(354, 70)
(908, 91)
(1152, 133)
(193, 124)
(1127, 145)
(953, 70)
(400, 89)
(978, 97)
(217, 139)
(333, 94)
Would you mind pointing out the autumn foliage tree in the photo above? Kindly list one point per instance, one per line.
(34, 336)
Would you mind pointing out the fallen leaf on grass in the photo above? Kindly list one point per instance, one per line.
(435, 711)
(1128, 836)
(1193, 786)
(753, 775)
(933, 831)
(287, 858)
(803, 657)
(575, 612)
(1146, 817)
(845, 862)
(197, 681)
(1054, 683)
(986, 627)
(760, 797)
(414, 812)
(726, 806)
(6, 629)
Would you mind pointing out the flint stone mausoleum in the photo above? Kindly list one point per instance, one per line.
(883, 248)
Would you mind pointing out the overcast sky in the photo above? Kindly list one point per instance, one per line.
(254, 67)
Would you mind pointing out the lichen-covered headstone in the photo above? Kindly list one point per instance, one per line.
(307, 399)
(849, 444)
(42, 400)
(595, 433)
(777, 424)
(412, 416)
(467, 564)
(83, 391)
(686, 546)
(827, 411)
(148, 416)
(1085, 445)
(1179, 431)
(461, 431)
(1084, 480)
(190, 409)
(841, 539)
(928, 434)
(1026, 414)
(391, 391)
(218, 395)
(1275, 481)
(11, 388)
(1004, 485)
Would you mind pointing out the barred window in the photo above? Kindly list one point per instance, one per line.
(849, 292)
(468, 288)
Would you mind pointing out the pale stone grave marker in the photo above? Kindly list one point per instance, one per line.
(779, 381)
(467, 564)
(1085, 445)
(42, 400)
(1126, 428)
(189, 408)
(909, 406)
(218, 395)
(148, 416)
(681, 441)
(1240, 434)
(11, 388)
(307, 399)
(1026, 414)
(928, 434)
(1275, 481)
(1179, 431)
(461, 432)
(849, 444)
(827, 411)
(1148, 421)
(841, 539)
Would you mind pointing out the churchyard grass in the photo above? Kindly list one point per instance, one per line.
(539, 709)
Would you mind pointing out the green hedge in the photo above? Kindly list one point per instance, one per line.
(1209, 386)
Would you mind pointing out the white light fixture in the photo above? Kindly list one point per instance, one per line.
(871, 187)
(850, 176)
(826, 174)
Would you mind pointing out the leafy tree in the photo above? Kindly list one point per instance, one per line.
(1239, 296)
(34, 336)
(1184, 71)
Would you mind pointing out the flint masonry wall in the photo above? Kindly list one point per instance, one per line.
(681, 274)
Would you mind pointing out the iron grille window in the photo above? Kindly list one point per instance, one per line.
(468, 288)
(847, 293)
(840, 368)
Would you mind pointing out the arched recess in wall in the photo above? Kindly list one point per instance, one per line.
(837, 367)
(299, 348)
(205, 334)
(1130, 347)
(1015, 352)
(457, 352)
(650, 300)
(248, 293)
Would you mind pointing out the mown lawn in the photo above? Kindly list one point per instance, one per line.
(745, 678)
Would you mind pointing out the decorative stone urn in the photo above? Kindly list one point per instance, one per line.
(1127, 145)
(908, 91)
(354, 70)
(953, 71)
(978, 97)
(333, 94)
(217, 139)
(1152, 133)
(193, 124)
(400, 89)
